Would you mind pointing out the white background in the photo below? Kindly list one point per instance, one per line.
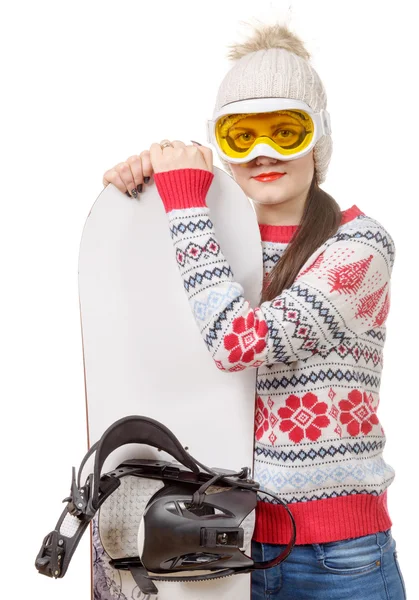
(86, 85)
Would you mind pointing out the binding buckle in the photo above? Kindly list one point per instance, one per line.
(50, 558)
(79, 498)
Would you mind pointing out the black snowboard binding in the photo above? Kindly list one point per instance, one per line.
(197, 520)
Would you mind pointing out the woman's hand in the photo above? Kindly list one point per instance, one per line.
(180, 156)
(131, 175)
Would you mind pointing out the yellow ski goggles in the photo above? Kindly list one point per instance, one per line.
(281, 128)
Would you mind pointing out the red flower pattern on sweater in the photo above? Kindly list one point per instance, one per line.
(303, 417)
(358, 416)
(247, 339)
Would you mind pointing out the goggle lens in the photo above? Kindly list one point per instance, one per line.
(287, 131)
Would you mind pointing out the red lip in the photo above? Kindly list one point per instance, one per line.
(269, 176)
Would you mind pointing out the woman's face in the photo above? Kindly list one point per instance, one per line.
(293, 186)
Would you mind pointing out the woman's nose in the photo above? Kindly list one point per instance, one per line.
(264, 160)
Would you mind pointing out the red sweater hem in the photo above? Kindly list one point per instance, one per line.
(322, 521)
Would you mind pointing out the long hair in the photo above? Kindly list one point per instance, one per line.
(320, 221)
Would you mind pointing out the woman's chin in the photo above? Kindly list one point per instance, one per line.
(269, 196)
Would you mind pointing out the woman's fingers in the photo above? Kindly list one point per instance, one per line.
(124, 170)
(129, 176)
(121, 177)
(113, 176)
(135, 165)
(146, 166)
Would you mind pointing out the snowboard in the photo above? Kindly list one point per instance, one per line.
(143, 354)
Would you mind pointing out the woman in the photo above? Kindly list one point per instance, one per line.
(317, 337)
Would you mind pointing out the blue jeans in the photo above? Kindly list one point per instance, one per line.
(363, 568)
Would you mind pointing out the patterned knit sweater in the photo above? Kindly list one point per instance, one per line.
(318, 349)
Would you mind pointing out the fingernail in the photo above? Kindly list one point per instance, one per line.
(134, 192)
(146, 179)
(140, 187)
(193, 141)
(128, 194)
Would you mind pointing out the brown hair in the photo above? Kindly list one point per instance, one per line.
(320, 221)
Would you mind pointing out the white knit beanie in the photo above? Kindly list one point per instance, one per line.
(273, 63)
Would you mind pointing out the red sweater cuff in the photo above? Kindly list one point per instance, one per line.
(183, 188)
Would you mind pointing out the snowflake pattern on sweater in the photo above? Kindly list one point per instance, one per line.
(318, 348)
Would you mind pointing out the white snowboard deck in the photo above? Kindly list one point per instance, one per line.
(144, 355)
